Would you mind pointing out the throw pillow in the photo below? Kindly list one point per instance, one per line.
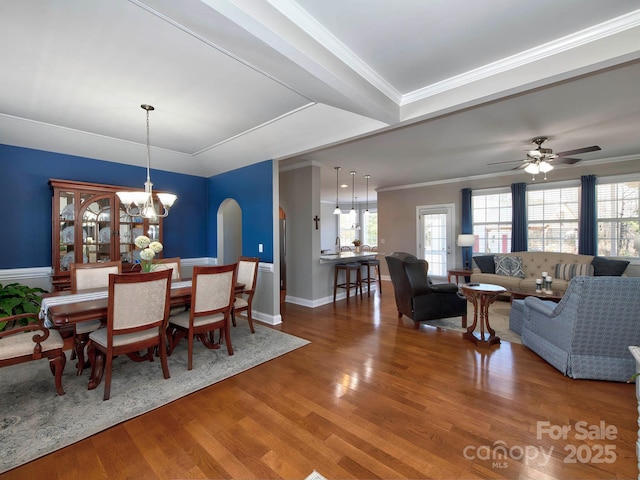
(485, 263)
(566, 271)
(611, 268)
(509, 266)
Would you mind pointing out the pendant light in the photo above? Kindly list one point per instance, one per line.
(367, 177)
(141, 204)
(337, 211)
(353, 205)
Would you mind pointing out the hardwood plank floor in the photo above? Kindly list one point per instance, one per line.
(370, 397)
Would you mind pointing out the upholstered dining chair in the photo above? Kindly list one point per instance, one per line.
(137, 314)
(85, 276)
(247, 274)
(169, 263)
(212, 298)
(24, 343)
(174, 264)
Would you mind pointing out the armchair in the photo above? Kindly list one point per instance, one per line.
(587, 334)
(418, 298)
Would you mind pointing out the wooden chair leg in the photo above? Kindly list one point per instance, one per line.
(107, 378)
(250, 318)
(227, 337)
(57, 362)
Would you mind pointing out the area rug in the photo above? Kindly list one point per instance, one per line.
(498, 319)
(36, 421)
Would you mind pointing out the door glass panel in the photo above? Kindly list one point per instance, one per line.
(435, 243)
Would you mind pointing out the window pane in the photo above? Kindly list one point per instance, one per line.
(552, 216)
(492, 222)
(618, 218)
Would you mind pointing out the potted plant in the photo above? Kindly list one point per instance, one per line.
(16, 299)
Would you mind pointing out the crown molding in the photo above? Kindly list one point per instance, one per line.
(549, 49)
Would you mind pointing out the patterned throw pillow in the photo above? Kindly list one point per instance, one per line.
(509, 266)
(566, 271)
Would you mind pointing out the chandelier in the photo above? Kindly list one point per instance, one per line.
(141, 204)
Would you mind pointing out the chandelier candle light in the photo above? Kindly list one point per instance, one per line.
(141, 204)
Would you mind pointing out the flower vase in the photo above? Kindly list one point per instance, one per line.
(357, 248)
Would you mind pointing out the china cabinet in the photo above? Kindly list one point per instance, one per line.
(90, 225)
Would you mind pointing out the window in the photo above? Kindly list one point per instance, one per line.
(348, 232)
(491, 213)
(552, 215)
(370, 228)
(618, 218)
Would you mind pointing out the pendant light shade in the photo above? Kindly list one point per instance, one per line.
(337, 210)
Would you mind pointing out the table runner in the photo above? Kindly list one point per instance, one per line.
(84, 297)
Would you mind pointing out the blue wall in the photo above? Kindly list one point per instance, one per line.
(252, 188)
(25, 197)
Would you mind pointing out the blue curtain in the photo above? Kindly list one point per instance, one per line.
(466, 226)
(519, 217)
(588, 224)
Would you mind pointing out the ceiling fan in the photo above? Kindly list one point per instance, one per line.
(539, 159)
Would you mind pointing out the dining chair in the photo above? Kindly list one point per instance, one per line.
(247, 274)
(85, 276)
(18, 346)
(174, 264)
(169, 263)
(365, 248)
(212, 297)
(137, 313)
(345, 248)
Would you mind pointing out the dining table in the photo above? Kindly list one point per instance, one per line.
(63, 309)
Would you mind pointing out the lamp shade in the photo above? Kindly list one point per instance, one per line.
(466, 240)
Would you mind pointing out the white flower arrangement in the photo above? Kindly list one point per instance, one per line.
(148, 251)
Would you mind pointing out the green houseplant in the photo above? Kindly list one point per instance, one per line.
(16, 298)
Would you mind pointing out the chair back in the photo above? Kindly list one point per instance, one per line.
(365, 248)
(138, 301)
(248, 273)
(346, 248)
(92, 275)
(213, 289)
(169, 263)
(409, 277)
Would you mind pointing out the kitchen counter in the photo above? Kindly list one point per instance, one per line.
(346, 256)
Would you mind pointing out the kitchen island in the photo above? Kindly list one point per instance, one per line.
(347, 256)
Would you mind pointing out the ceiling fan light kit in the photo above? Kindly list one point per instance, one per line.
(539, 160)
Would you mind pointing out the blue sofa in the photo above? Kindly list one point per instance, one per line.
(587, 334)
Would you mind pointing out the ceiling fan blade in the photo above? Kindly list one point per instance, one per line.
(578, 151)
(566, 160)
(508, 161)
(520, 167)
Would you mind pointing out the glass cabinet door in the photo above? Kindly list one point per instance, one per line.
(97, 228)
(66, 228)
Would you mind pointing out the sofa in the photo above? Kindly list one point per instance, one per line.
(562, 267)
(588, 333)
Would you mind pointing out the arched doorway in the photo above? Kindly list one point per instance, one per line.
(229, 232)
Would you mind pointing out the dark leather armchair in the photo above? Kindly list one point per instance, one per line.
(417, 297)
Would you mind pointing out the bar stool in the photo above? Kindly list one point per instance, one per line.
(348, 283)
(368, 279)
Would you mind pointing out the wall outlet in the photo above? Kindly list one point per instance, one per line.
(260, 248)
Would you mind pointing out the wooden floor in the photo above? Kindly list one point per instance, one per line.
(372, 397)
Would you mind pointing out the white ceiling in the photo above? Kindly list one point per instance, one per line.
(407, 91)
